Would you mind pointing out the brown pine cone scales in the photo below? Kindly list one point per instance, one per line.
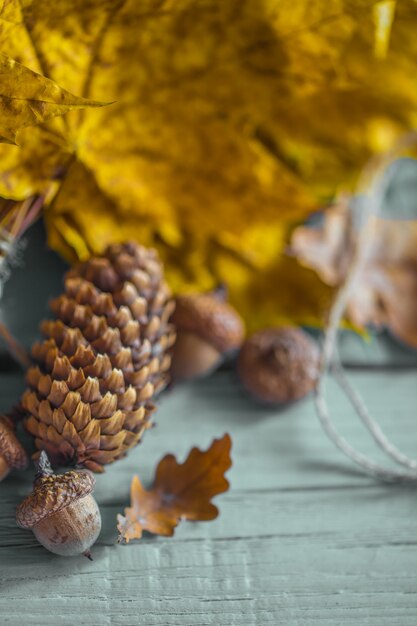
(104, 358)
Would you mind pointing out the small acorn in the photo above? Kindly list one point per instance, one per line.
(208, 329)
(279, 365)
(12, 453)
(61, 511)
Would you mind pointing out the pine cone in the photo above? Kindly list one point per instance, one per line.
(105, 357)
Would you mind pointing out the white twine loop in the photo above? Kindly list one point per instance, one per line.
(376, 178)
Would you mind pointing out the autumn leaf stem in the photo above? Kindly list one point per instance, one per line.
(16, 350)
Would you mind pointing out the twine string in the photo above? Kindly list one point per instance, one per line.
(376, 179)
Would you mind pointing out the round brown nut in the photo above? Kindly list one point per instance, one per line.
(208, 329)
(12, 453)
(279, 365)
(61, 511)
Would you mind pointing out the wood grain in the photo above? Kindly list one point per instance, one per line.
(303, 538)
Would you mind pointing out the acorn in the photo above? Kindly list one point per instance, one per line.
(208, 330)
(12, 453)
(61, 511)
(279, 365)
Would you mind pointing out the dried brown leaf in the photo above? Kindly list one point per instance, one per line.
(180, 491)
(385, 293)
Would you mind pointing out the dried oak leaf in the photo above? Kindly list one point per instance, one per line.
(180, 491)
(232, 121)
(385, 292)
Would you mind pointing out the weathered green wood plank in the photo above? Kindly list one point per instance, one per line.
(303, 539)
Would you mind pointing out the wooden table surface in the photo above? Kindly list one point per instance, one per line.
(303, 538)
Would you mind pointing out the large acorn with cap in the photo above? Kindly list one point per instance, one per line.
(61, 510)
(104, 358)
(208, 330)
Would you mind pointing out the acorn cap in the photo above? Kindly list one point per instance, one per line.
(279, 365)
(52, 493)
(211, 319)
(10, 447)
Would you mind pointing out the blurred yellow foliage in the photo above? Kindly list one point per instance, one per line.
(232, 121)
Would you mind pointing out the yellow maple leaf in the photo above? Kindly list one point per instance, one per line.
(27, 98)
(232, 122)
